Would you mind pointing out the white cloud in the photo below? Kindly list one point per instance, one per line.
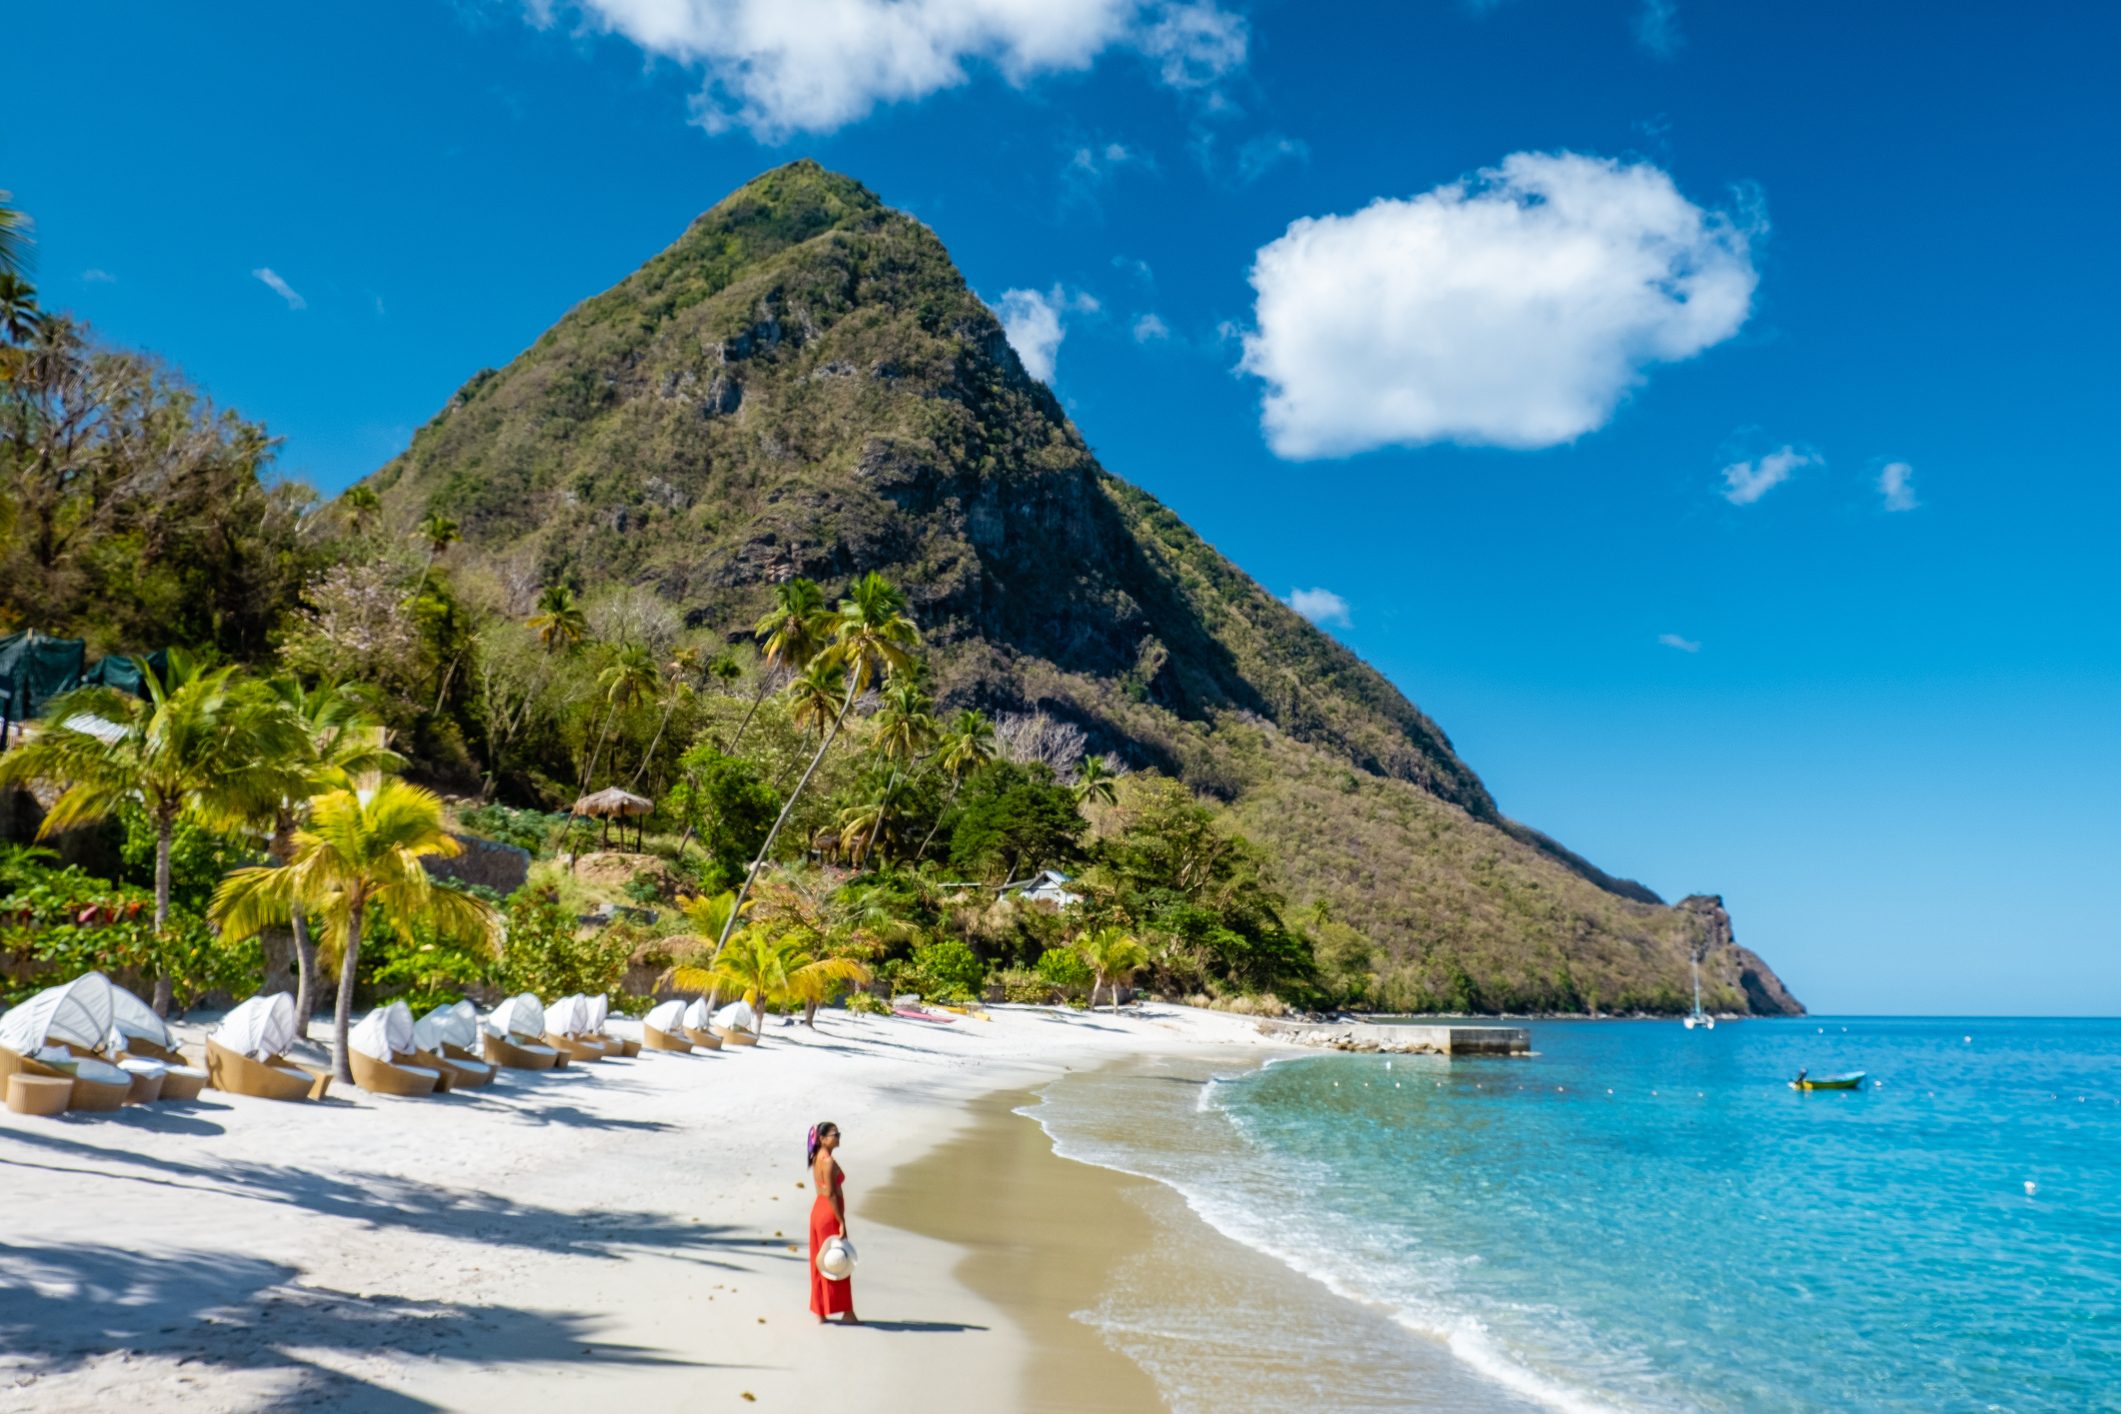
(1896, 483)
(1320, 606)
(1035, 324)
(95, 275)
(265, 276)
(1513, 309)
(1149, 329)
(1745, 482)
(1684, 645)
(1261, 155)
(777, 67)
(1657, 27)
(1138, 268)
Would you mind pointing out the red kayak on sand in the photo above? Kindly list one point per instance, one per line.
(916, 1014)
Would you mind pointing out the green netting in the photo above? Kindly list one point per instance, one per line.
(35, 668)
(124, 673)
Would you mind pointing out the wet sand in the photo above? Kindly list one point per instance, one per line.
(1043, 1238)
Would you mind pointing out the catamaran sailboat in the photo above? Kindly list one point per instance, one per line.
(1697, 1017)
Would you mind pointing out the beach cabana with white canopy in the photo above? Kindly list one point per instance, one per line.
(247, 1053)
(734, 1023)
(380, 1052)
(443, 1040)
(512, 1032)
(699, 1026)
(52, 1037)
(134, 1028)
(76, 1014)
(567, 1030)
(663, 1029)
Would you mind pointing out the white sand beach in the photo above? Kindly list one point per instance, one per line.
(621, 1230)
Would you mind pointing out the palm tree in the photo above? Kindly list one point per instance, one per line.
(814, 696)
(14, 237)
(359, 856)
(905, 724)
(628, 680)
(440, 532)
(19, 317)
(679, 672)
(19, 324)
(871, 638)
(790, 635)
(814, 981)
(865, 824)
(1114, 957)
(966, 745)
(203, 745)
(765, 970)
(1094, 780)
(345, 740)
(362, 506)
(559, 619)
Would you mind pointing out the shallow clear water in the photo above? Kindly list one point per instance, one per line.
(1640, 1216)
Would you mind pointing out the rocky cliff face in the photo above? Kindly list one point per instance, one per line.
(803, 384)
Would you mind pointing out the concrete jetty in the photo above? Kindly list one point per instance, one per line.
(1392, 1039)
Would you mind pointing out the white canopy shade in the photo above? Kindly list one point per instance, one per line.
(737, 1016)
(569, 1016)
(518, 1016)
(456, 1025)
(668, 1017)
(599, 1011)
(697, 1016)
(261, 1028)
(134, 1020)
(76, 1012)
(385, 1033)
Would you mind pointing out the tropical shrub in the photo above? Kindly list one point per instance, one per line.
(546, 952)
(1064, 968)
(535, 830)
(946, 970)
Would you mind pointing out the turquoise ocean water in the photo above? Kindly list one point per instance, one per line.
(1643, 1217)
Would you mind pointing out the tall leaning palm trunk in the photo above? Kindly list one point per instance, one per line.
(872, 638)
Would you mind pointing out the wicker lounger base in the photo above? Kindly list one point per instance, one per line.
(575, 1048)
(380, 1077)
(146, 1088)
(98, 1097)
(460, 1074)
(656, 1040)
(278, 1079)
(735, 1037)
(706, 1040)
(38, 1094)
(519, 1056)
(183, 1083)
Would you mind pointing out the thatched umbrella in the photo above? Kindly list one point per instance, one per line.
(616, 804)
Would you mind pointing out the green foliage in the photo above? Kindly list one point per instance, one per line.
(1012, 818)
(198, 857)
(535, 830)
(1064, 968)
(725, 802)
(946, 970)
(866, 1005)
(425, 967)
(549, 954)
(58, 922)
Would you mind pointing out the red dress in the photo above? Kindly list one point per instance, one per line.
(827, 1297)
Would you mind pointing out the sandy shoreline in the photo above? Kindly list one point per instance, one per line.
(624, 1228)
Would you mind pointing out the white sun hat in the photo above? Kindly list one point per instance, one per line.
(836, 1259)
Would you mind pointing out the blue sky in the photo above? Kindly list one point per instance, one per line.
(1592, 449)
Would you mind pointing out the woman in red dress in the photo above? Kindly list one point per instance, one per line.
(828, 1218)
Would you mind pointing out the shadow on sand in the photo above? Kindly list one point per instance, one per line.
(65, 1307)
